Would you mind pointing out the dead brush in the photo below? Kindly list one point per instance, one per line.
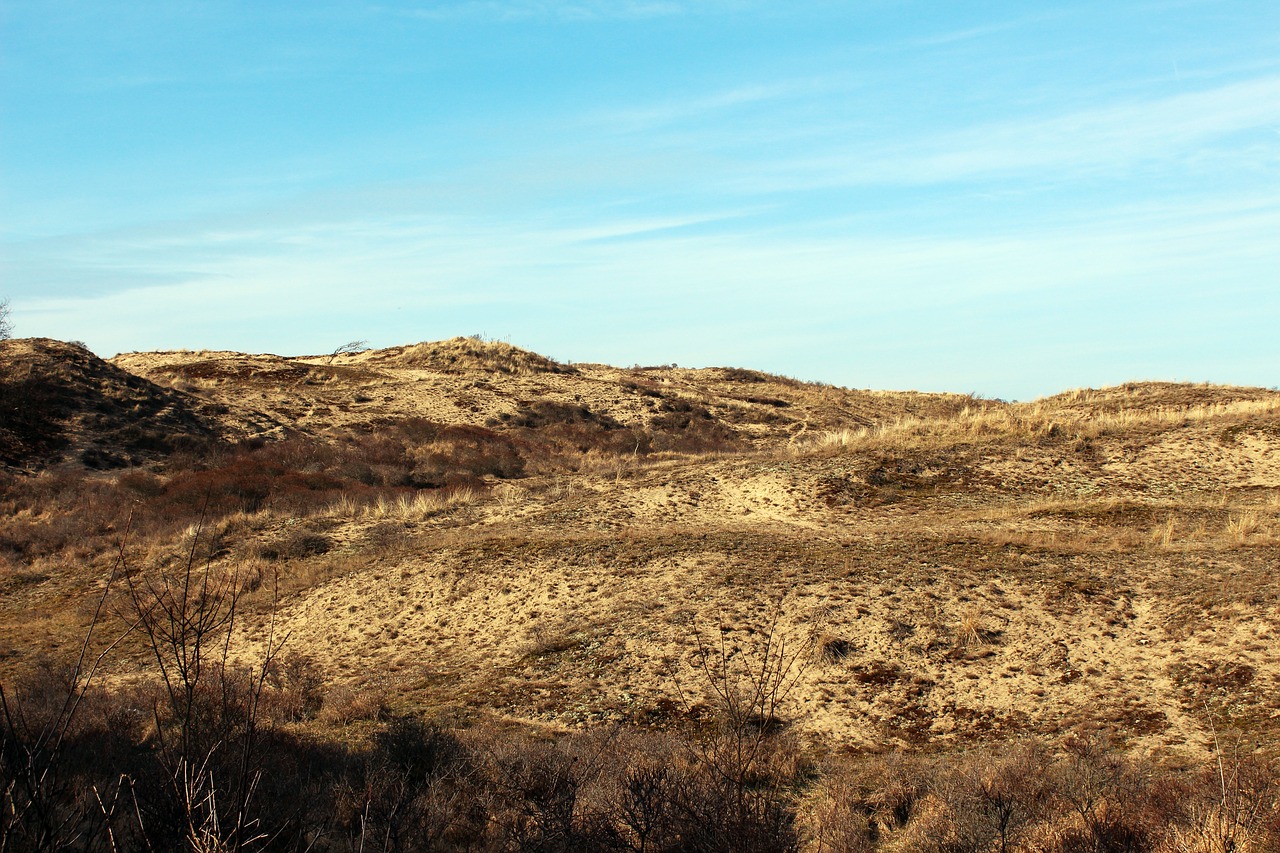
(832, 817)
(545, 640)
(345, 704)
(1238, 810)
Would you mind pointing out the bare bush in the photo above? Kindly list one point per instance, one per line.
(349, 348)
(1235, 808)
(208, 715)
(42, 803)
(985, 801)
(733, 798)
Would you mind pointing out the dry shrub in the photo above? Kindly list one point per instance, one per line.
(1233, 807)
(538, 786)
(900, 782)
(245, 484)
(56, 512)
(835, 818)
(414, 784)
(60, 736)
(296, 544)
(295, 683)
(345, 704)
(683, 426)
(988, 800)
(558, 436)
(74, 514)
(717, 815)
(640, 789)
(418, 791)
(1011, 797)
(544, 639)
(461, 455)
(1106, 801)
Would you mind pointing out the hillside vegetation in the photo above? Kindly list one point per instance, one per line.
(795, 614)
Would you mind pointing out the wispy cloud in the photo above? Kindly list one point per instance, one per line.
(966, 34)
(612, 283)
(1113, 139)
(523, 10)
(704, 108)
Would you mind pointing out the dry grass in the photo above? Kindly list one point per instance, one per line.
(464, 355)
(1244, 525)
(970, 631)
(1040, 420)
(407, 507)
(974, 569)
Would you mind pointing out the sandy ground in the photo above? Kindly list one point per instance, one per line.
(936, 570)
(939, 619)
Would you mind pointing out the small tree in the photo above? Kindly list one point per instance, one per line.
(6, 325)
(349, 348)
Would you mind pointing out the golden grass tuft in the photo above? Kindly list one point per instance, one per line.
(415, 507)
(1164, 534)
(971, 630)
(1243, 525)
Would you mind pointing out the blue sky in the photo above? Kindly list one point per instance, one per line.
(1005, 198)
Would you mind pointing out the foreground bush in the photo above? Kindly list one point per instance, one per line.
(113, 776)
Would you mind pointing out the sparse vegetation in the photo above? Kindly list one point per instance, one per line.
(1046, 626)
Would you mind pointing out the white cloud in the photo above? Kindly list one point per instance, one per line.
(520, 10)
(648, 117)
(1108, 139)
(967, 34)
(293, 287)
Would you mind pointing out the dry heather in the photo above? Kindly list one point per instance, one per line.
(473, 533)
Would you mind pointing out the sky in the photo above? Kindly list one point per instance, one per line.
(1003, 198)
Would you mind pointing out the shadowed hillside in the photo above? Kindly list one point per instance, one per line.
(61, 403)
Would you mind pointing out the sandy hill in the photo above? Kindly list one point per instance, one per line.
(469, 528)
(496, 385)
(59, 403)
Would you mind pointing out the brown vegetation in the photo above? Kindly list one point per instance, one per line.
(526, 605)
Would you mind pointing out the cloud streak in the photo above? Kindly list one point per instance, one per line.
(409, 279)
(1109, 140)
(525, 10)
